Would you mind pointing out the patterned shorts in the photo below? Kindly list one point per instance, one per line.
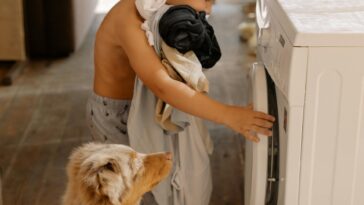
(107, 119)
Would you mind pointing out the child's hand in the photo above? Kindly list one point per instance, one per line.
(248, 122)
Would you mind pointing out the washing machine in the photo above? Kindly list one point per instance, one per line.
(310, 76)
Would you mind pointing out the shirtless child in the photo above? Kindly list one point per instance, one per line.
(122, 53)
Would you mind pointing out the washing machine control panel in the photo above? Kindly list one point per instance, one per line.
(276, 52)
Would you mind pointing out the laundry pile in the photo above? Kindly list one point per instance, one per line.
(186, 44)
(181, 27)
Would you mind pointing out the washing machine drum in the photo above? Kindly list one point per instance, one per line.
(262, 159)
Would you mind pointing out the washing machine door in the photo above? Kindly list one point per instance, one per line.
(256, 157)
(262, 159)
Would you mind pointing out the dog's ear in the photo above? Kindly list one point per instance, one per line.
(88, 173)
(109, 181)
(101, 178)
(93, 167)
(112, 165)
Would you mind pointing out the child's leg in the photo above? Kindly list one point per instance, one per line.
(107, 119)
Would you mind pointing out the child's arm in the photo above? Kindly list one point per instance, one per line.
(149, 69)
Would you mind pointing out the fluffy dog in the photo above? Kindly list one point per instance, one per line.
(110, 174)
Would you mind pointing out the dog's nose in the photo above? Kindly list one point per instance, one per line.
(168, 156)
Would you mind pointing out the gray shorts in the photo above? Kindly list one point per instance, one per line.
(107, 119)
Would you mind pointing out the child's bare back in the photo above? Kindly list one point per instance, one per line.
(114, 77)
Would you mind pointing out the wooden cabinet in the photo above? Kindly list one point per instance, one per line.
(56, 28)
(43, 28)
(12, 42)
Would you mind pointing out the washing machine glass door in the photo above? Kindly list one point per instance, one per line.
(257, 153)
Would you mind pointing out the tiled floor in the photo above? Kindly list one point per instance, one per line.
(42, 118)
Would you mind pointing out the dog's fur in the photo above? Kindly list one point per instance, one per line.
(110, 174)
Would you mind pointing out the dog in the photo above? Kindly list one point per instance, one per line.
(112, 174)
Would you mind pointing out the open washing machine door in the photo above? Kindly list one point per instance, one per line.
(262, 159)
(257, 153)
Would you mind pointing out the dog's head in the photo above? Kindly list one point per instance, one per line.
(115, 173)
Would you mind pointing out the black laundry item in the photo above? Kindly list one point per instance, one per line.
(209, 52)
(183, 28)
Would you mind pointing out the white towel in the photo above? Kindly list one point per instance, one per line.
(148, 8)
(188, 66)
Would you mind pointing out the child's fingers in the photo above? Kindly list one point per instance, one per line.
(262, 131)
(264, 116)
(263, 123)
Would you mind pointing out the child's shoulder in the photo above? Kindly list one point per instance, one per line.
(123, 17)
(122, 23)
(124, 13)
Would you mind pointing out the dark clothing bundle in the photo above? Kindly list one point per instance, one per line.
(183, 28)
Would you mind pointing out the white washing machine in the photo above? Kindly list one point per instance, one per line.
(310, 75)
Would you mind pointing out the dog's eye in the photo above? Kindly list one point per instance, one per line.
(109, 166)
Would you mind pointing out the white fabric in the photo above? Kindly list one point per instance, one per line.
(184, 68)
(153, 29)
(147, 9)
(190, 181)
(148, 33)
(188, 66)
